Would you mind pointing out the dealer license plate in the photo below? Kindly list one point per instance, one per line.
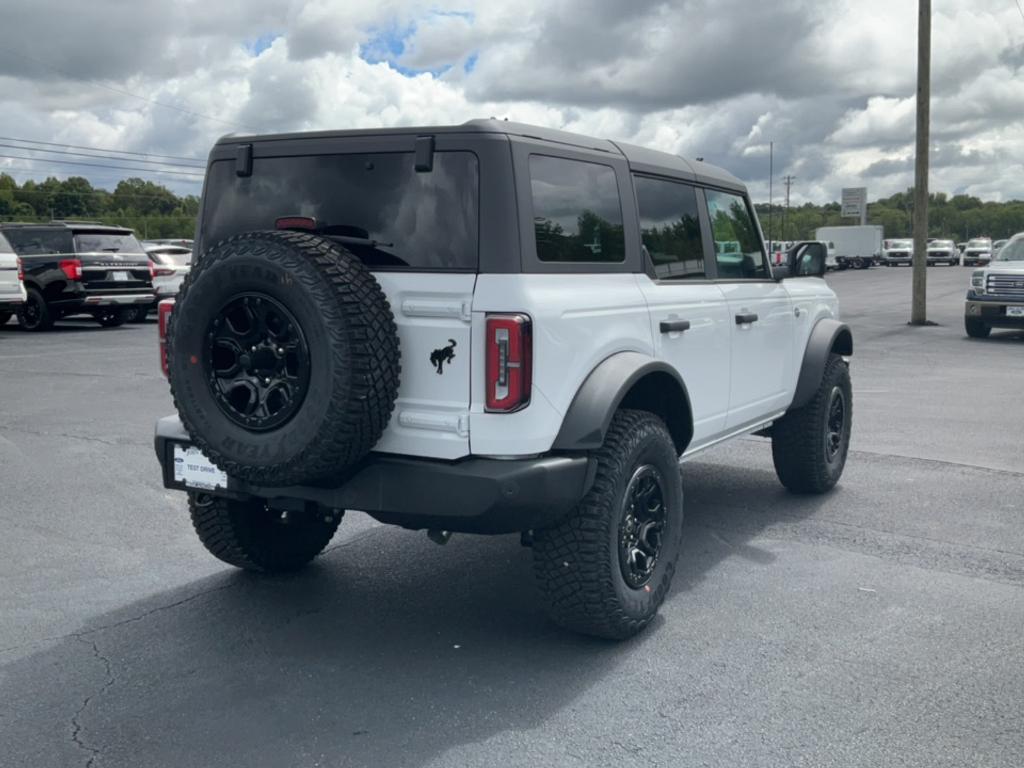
(1015, 311)
(122, 277)
(194, 470)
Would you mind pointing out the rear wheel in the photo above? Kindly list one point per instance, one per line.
(136, 314)
(251, 535)
(976, 329)
(809, 445)
(607, 567)
(111, 318)
(34, 315)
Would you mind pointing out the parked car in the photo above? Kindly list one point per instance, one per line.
(73, 268)
(978, 251)
(551, 324)
(170, 264)
(996, 296)
(12, 284)
(943, 252)
(896, 252)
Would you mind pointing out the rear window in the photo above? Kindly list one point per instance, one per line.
(31, 242)
(107, 242)
(376, 205)
(172, 257)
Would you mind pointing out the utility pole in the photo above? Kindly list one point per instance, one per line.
(771, 173)
(918, 308)
(785, 215)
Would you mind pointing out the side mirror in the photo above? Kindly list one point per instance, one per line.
(805, 259)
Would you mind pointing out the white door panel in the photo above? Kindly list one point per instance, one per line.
(432, 312)
(700, 353)
(762, 350)
(578, 321)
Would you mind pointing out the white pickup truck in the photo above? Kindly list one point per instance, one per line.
(996, 296)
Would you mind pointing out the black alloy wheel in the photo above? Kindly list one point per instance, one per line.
(257, 361)
(642, 527)
(836, 424)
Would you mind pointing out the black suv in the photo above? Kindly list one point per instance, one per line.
(76, 268)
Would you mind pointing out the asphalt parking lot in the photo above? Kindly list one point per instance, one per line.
(878, 625)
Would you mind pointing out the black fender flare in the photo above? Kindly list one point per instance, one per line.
(828, 336)
(586, 422)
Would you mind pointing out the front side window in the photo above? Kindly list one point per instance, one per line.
(670, 228)
(738, 250)
(577, 214)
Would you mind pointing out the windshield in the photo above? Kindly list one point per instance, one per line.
(107, 242)
(941, 245)
(980, 244)
(1012, 251)
(897, 244)
(376, 205)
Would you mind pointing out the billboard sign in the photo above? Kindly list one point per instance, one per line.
(855, 203)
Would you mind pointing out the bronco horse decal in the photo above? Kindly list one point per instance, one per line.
(443, 355)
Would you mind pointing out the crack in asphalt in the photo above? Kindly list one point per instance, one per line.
(76, 719)
(84, 438)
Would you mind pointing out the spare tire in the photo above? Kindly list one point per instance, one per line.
(283, 357)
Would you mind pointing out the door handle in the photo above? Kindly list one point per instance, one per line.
(746, 317)
(674, 326)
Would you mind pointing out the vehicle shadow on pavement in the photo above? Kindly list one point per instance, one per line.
(389, 650)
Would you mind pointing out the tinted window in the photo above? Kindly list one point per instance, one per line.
(28, 242)
(577, 215)
(107, 242)
(737, 242)
(670, 227)
(376, 205)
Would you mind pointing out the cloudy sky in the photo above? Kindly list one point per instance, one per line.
(831, 82)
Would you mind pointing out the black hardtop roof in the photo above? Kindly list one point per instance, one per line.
(640, 159)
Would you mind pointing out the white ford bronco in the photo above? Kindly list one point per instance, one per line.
(488, 328)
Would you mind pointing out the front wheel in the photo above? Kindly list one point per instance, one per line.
(606, 568)
(976, 329)
(252, 535)
(810, 444)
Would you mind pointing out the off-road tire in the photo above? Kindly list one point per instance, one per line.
(249, 535)
(353, 352)
(111, 318)
(977, 329)
(577, 562)
(43, 319)
(799, 439)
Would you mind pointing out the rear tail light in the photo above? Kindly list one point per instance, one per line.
(164, 316)
(21, 270)
(72, 268)
(155, 271)
(509, 357)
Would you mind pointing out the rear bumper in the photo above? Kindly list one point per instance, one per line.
(86, 302)
(473, 495)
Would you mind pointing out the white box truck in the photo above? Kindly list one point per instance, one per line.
(856, 246)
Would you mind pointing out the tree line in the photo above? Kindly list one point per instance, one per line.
(958, 218)
(150, 209)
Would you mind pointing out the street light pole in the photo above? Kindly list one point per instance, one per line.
(918, 308)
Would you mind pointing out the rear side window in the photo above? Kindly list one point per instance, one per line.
(376, 205)
(670, 227)
(30, 242)
(738, 250)
(577, 214)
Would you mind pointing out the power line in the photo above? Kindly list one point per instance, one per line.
(101, 149)
(99, 165)
(99, 157)
(91, 81)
